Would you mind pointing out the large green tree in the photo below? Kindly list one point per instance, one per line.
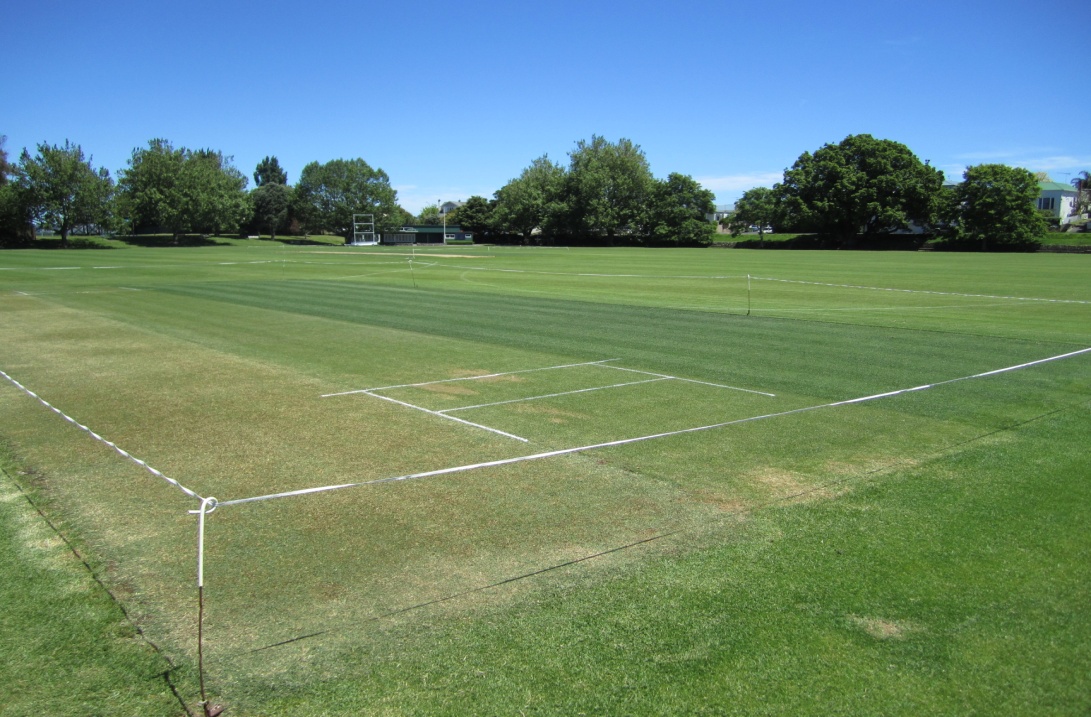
(15, 219)
(607, 187)
(758, 207)
(212, 195)
(475, 216)
(677, 212)
(5, 167)
(182, 190)
(61, 188)
(327, 195)
(994, 206)
(430, 215)
(271, 202)
(269, 171)
(530, 201)
(862, 185)
(148, 186)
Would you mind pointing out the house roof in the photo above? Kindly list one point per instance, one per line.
(1056, 187)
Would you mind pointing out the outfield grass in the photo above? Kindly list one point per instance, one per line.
(916, 554)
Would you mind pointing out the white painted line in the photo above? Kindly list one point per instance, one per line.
(99, 438)
(625, 441)
(450, 418)
(693, 380)
(466, 378)
(553, 395)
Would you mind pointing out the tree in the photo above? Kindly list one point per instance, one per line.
(430, 215)
(677, 212)
(212, 196)
(606, 187)
(5, 168)
(995, 204)
(327, 195)
(15, 220)
(148, 187)
(475, 216)
(1082, 183)
(756, 207)
(863, 186)
(271, 202)
(183, 190)
(61, 188)
(530, 201)
(269, 172)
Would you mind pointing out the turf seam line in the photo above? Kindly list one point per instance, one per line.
(482, 588)
(921, 291)
(97, 437)
(866, 475)
(113, 598)
(626, 441)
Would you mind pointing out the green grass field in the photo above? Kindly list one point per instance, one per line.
(923, 552)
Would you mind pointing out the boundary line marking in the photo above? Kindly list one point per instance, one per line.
(99, 438)
(638, 439)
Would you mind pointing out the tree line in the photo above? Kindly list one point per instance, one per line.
(607, 192)
(859, 191)
(176, 190)
(863, 189)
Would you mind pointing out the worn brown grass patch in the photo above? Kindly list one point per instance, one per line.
(449, 389)
(880, 629)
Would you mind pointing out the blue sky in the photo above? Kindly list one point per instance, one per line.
(455, 99)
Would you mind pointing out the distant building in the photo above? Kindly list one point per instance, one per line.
(722, 210)
(1057, 199)
(426, 234)
(448, 207)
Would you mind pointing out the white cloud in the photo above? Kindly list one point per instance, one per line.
(1034, 160)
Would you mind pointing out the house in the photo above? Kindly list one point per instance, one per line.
(1057, 199)
(448, 207)
(722, 210)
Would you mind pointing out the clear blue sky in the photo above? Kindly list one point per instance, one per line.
(455, 99)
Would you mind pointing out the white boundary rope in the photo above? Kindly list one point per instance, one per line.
(99, 438)
(625, 441)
